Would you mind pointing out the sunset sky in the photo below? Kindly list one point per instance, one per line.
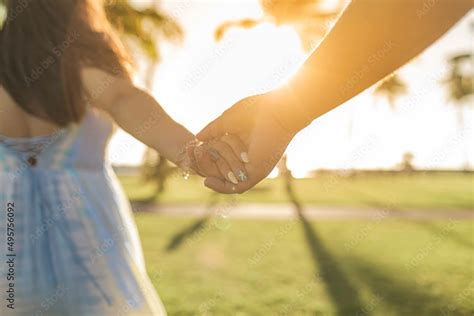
(200, 78)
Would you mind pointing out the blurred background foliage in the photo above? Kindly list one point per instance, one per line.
(310, 18)
(144, 28)
(344, 267)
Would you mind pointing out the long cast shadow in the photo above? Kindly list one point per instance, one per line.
(343, 293)
(448, 233)
(404, 297)
(425, 224)
(177, 240)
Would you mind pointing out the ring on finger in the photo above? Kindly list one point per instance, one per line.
(215, 156)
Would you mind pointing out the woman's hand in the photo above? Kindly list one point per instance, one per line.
(253, 121)
(222, 158)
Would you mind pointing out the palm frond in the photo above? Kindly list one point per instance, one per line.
(391, 88)
(460, 84)
(143, 26)
(226, 26)
(307, 17)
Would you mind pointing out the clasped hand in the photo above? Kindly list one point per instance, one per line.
(247, 137)
(222, 157)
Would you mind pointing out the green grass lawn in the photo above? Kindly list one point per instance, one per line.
(428, 191)
(241, 267)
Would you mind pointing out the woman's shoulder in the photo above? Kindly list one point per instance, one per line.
(104, 88)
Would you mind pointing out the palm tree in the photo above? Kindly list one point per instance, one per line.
(308, 18)
(391, 88)
(407, 162)
(143, 27)
(157, 170)
(460, 85)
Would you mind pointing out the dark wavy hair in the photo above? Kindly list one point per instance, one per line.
(44, 44)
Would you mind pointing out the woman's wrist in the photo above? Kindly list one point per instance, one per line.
(186, 159)
(288, 109)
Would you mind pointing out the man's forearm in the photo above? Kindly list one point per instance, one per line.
(371, 39)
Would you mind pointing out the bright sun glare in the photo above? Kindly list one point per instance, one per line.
(197, 81)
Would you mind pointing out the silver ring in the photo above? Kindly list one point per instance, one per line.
(215, 156)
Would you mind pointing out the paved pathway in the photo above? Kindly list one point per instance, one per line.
(287, 211)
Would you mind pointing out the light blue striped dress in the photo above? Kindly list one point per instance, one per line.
(75, 248)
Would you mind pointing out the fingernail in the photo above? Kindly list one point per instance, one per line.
(242, 176)
(245, 157)
(232, 177)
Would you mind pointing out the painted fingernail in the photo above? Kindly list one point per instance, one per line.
(242, 176)
(245, 157)
(232, 177)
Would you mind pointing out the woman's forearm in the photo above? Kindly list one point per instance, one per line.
(370, 40)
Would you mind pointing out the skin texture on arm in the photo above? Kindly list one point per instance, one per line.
(139, 114)
(136, 112)
(371, 39)
(264, 136)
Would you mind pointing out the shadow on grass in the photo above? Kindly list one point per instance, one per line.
(148, 204)
(343, 293)
(403, 296)
(443, 232)
(425, 224)
(180, 237)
